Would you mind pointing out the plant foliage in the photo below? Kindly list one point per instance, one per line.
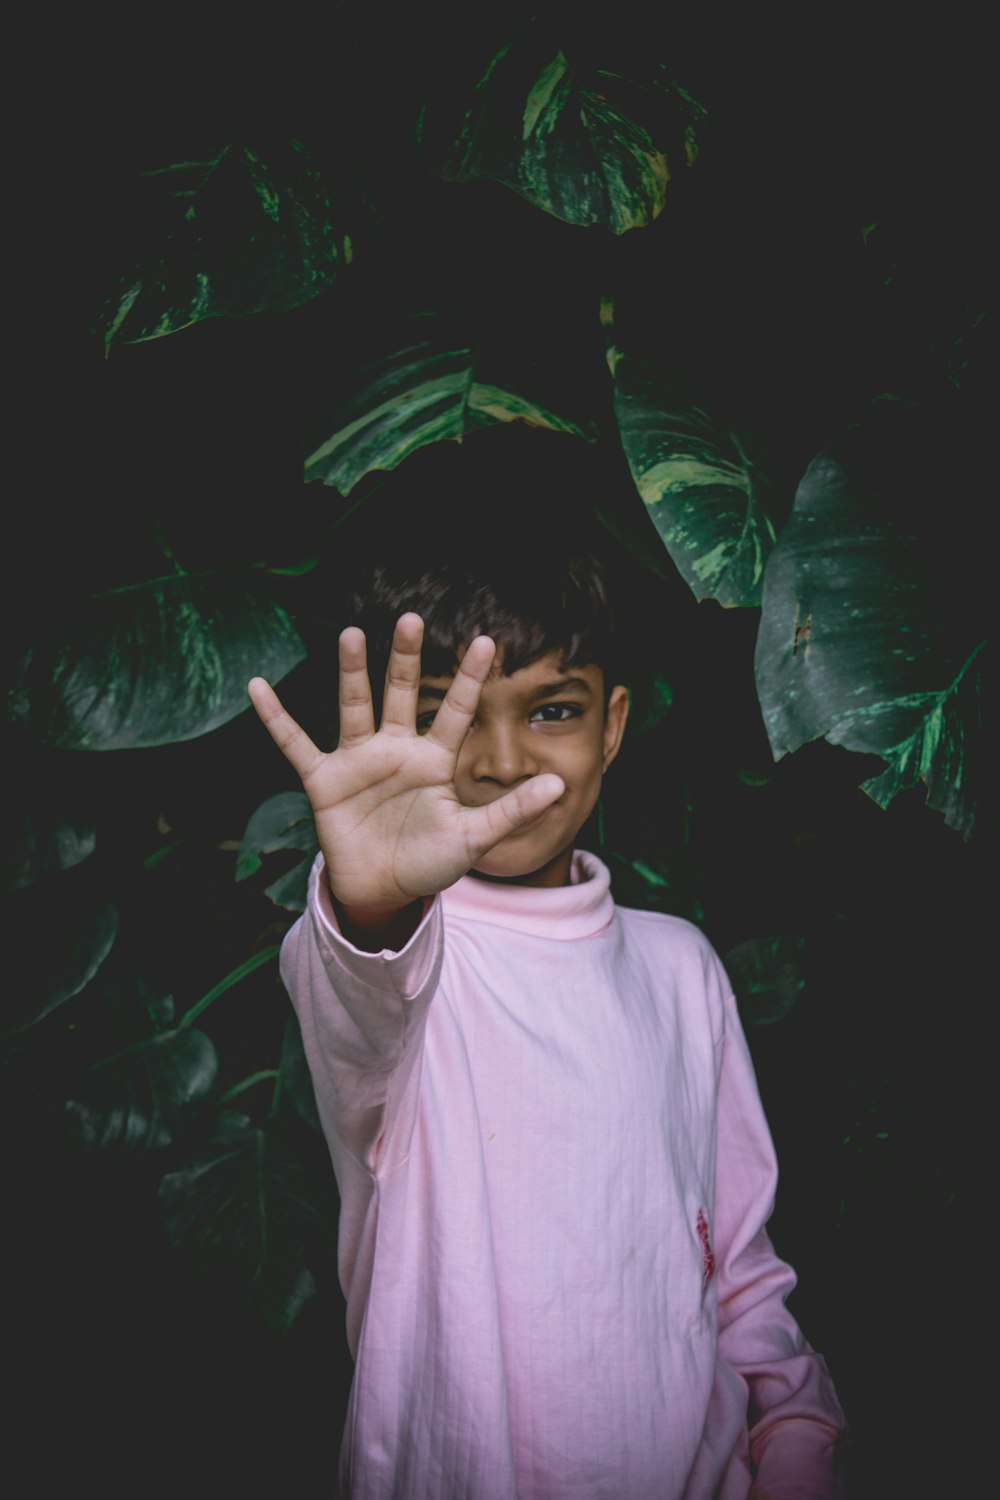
(302, 293)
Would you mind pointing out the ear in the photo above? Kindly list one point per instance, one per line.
(615, 719)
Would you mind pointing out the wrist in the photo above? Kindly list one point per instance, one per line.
(374, 927)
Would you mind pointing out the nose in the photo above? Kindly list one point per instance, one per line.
(498, 753)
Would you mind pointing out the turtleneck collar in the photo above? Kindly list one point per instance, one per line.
(580, 909)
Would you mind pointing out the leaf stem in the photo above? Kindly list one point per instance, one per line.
(248, 1083)
(233, 977)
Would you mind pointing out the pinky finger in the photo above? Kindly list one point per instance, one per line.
(290, 738)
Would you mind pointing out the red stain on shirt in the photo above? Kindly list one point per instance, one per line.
(707, 1253)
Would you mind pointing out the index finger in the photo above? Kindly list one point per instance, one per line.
(290, 738)
(458, 707)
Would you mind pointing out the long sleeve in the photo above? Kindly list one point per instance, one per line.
(361, 1016)
(795, 1419)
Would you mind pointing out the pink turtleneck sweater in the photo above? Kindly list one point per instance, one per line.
(555, 1174)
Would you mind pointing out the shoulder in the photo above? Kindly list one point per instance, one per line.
(659, 926)
(663, 939)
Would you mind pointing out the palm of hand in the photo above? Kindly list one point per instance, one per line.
(389, 820)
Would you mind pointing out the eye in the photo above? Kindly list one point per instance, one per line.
(424, 721)
(555, 713)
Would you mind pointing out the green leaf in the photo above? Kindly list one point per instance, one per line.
(254, 227)
(587, 145)
(703, 489)
(940, 751)
(40, 841)
(152, 664)
(245, 1206)
(857, 642)
(65, 927)
(129, 1102)
(295, 1075)
(420, 394)
(650, 705)
(284, 821)
(766, 975)
(235, 976)
(643, 883)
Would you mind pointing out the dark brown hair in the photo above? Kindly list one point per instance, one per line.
(491, 548)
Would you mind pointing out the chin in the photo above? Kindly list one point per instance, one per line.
(522, 865)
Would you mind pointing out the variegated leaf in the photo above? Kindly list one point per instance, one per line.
(159, 662)
(854, 644)
(703, 490)
(420, 394)
(588, 146)
(254, 227)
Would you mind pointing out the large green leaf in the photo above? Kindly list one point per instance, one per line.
(283, 822)
(704, 492)
(129, 1102)
(254, 227)
(152, 664)
(245, 1205)
(858, 642)
(584, 143)
(418, 395)
(65, 927)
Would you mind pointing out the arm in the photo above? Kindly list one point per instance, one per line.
(393, 833)
(361, 1017)
(796, 1422)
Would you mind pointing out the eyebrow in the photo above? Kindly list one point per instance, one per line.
(545, 690)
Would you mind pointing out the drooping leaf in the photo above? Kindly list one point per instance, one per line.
(767, 978)
(420, 394)
(159, 662)
(584, 143)
(256, 226)
(704, 491)
(245, 1206)
(129, 1102)
(284, 821)
(39, 841)
(858, 640)
(65, 927)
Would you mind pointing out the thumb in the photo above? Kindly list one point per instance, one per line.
(488, 825)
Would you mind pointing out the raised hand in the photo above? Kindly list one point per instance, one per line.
(388, 819)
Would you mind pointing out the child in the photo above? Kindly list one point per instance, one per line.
(553, 1163)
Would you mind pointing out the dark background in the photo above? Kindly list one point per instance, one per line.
(130, 1371)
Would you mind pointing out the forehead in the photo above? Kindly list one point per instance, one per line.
(549, 672)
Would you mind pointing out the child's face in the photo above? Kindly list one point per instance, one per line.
(540, 718)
